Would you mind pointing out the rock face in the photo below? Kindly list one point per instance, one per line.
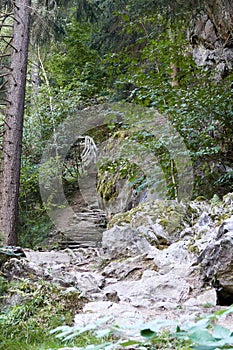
(217, 263)
(210, 35)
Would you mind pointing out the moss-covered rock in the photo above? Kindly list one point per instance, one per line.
(198, 219)
(169, 214)
(119, 179)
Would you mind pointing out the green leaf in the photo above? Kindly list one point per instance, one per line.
(151, 329)
(71, 336)
(201, 324)
(147, 333)
(60, 328)
(220, 332)
(130, 343)
(204, 338)
(200, 336)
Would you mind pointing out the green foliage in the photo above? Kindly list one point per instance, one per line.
(34, 224)
(198, 106)
(136, 52)
(73, 64)
(40, 122)
(203, 116)
(114, 336)
(34, 227)
(203, 334)
(39, 306)
(113, 171)
(132, 146)
(1, 238)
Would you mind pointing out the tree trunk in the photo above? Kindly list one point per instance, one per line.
(13, 124)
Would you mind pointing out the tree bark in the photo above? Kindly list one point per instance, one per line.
(13, 123)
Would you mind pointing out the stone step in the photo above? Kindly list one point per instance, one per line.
(89, 217)
(86, 223)
(85, 229)
(76, 245)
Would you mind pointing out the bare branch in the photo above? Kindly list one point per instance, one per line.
(5, 67)
(5, 55)
(6, 36)
(6, 25)
(9, 44)
(5, 102)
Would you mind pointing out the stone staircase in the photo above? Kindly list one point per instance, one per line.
(85, 229)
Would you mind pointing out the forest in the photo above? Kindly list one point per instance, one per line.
(80, 77)
(88, 53)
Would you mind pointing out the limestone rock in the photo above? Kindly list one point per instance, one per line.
(57, 267)
(169, 259)
(217, 263)
(176, 259)
(22, 268)
(130, 268)
(124, 240)
(225, 228)
(119, 313)
(206, 298)
(163, 217)
(151, 288)
(47, 258)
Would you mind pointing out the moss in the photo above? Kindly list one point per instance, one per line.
(200, 199)
(112, 171)
(171, 216)
(168, 214)
(107, 186)
(215, 200)
(192, 248)
(126, 217)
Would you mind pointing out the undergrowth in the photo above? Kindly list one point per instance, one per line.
(29, 310)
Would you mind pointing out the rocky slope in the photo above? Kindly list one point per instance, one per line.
(162, 259)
